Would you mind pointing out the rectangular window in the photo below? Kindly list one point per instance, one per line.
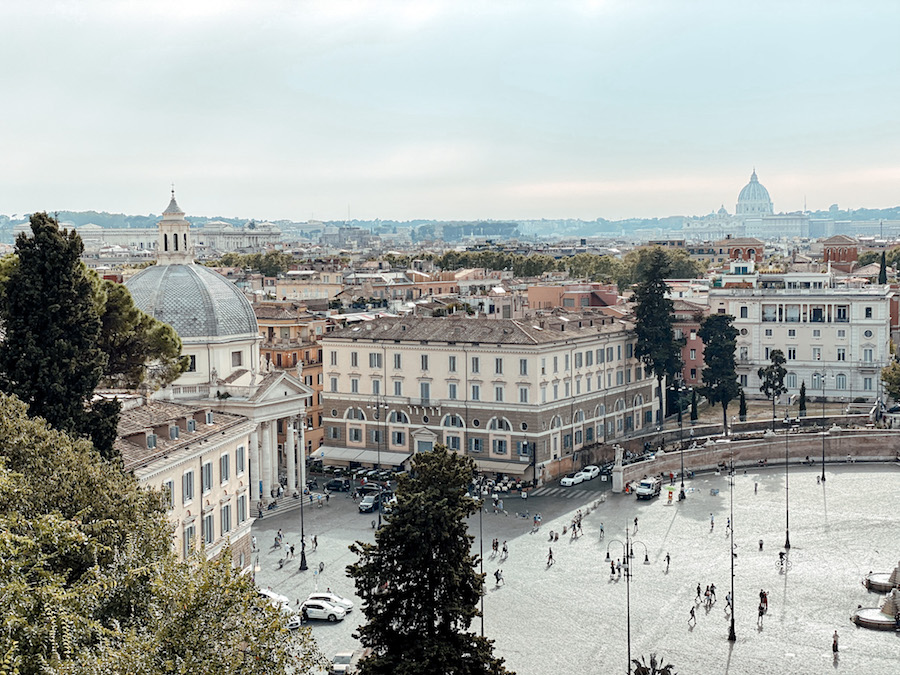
(588, 434)
(610, 354)
(376, 387)
(841, 333)
(354, 434)
(168, 489)
(354, 360)
(237, 359)
(424, 361)
(476, 445)
(498, 394)
(334, 384)
(451, 391)
(842, 313)
(693, 355)
(523, 448)
(867, 355)
(589, 358)
(333, 358)
(743, 380)
(224, 468)
(868, 312)
(601, 354)
(568, 388)
(374, 359)
(225, 518)
(867, 383)
(398, 438)
(579, 436)
(375, 435)
(523, 394)
(334, 433)
(620, 377)
(792, 332)
(354, 385)
(476, 392)
(543, 366)
(523, 366)
(693, 373)
(817, 332)
(579, 360)
(555, 364)
(619, 352)
(792, 354)
(543, 394)
(817, 353)
(242, 509)
(744, 312)
(398, 361)
(841, 354)
(629, 350)
(207, 477)
(500, 446)
(555, 392)
(453, 443)
(189, 534)
(209, 529)
(577, 386)
(768, 332)
(398, 388)
(192, 364)
(476, 364)
(567, 362)
(498, 366)
(425, 392)
(452, 364)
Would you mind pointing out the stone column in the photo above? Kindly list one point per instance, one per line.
(255, 470)
(301, 444)
(273, 451)
(266, 460)
(290, 454)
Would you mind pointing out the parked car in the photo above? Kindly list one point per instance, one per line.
(338, 485)
(369, 488)
(342, 664)
(571, 479)
(648, 488)
(318, 609)
(594, 471)
(332, 599)
(585, 475)
(295, 621)
(371, 501)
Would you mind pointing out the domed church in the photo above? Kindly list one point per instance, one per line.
(754, 199)
(220, 336)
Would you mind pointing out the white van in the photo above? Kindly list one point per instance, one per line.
(648, 488)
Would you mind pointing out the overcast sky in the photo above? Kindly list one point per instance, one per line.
(450, 110)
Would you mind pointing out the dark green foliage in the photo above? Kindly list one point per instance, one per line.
(418, 582)
(772, 377)
(90, 584)
(269, 264)
(656, 345)
(803, 399)
(694, 414)
(641, 667)
(638, 265)
(50, 356)
(720, 383)
(882, 270)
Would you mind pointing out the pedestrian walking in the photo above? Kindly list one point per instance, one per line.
(699, 593)
(834, 643)
(707, 598)
(315, 542)
(727, 601)
(253, 541)
(760, 544)
(618, 569)
(755, 487)
(505, 551)
(712, 522)
(602, 534)
(667, 562)
(292, 551)
(635, 524)
(759, 618)
(550, 557)
(693, 617)
(612, 568)
(712, 591)
(498, 575)
(727, 525)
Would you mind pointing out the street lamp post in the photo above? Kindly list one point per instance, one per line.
(481, 560)
(628, 554)
(731, 634)
(303, 566)
(787, 507)
(681, 390)
(823, 426)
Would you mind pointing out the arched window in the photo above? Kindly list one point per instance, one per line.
(185, 242)
(398, 417)
(751, 253)
(452, 421)
(638, 401)
(556, 422)
(355, 414)
(601, 410)
(579, 417)
(840, 381)
(165, 242)
(738, 253)
(816, 381)
(790, 380)
(499, 424)
(175, 241)
(620, 404)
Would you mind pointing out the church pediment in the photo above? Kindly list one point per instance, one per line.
(280, 386)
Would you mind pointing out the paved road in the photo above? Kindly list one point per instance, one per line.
(571, 617)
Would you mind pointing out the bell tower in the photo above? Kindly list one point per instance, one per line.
(175, 246)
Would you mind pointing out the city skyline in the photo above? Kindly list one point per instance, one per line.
(455, 111)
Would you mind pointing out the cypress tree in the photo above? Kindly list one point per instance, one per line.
(720, 383)
(882, 270)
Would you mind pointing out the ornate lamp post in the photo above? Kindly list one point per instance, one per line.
(824, 431)
(628, 554)
(731, 634)
(787, 506)
(303, 566)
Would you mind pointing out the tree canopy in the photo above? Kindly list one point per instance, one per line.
(68, 331)
(890, 375)
(772, 377)
(90, 583)
(418, 582)
(269, 264)
(719, 375)
(656, 344)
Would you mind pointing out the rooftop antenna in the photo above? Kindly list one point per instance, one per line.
(173, 190)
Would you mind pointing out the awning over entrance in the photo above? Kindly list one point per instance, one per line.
(512, 468)
(361, 455)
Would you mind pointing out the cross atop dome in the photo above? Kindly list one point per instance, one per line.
(173, 207)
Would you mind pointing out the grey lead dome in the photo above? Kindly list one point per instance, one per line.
(194, 300)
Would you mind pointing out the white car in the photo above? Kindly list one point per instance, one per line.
(332, 599)
(594, 471)
(572, 479)
(319, 609)
(585, 475)
(295, 622)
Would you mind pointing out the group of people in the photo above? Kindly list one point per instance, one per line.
(495, 549)
(763, 606)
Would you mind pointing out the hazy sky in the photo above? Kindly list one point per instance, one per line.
(460, 109)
